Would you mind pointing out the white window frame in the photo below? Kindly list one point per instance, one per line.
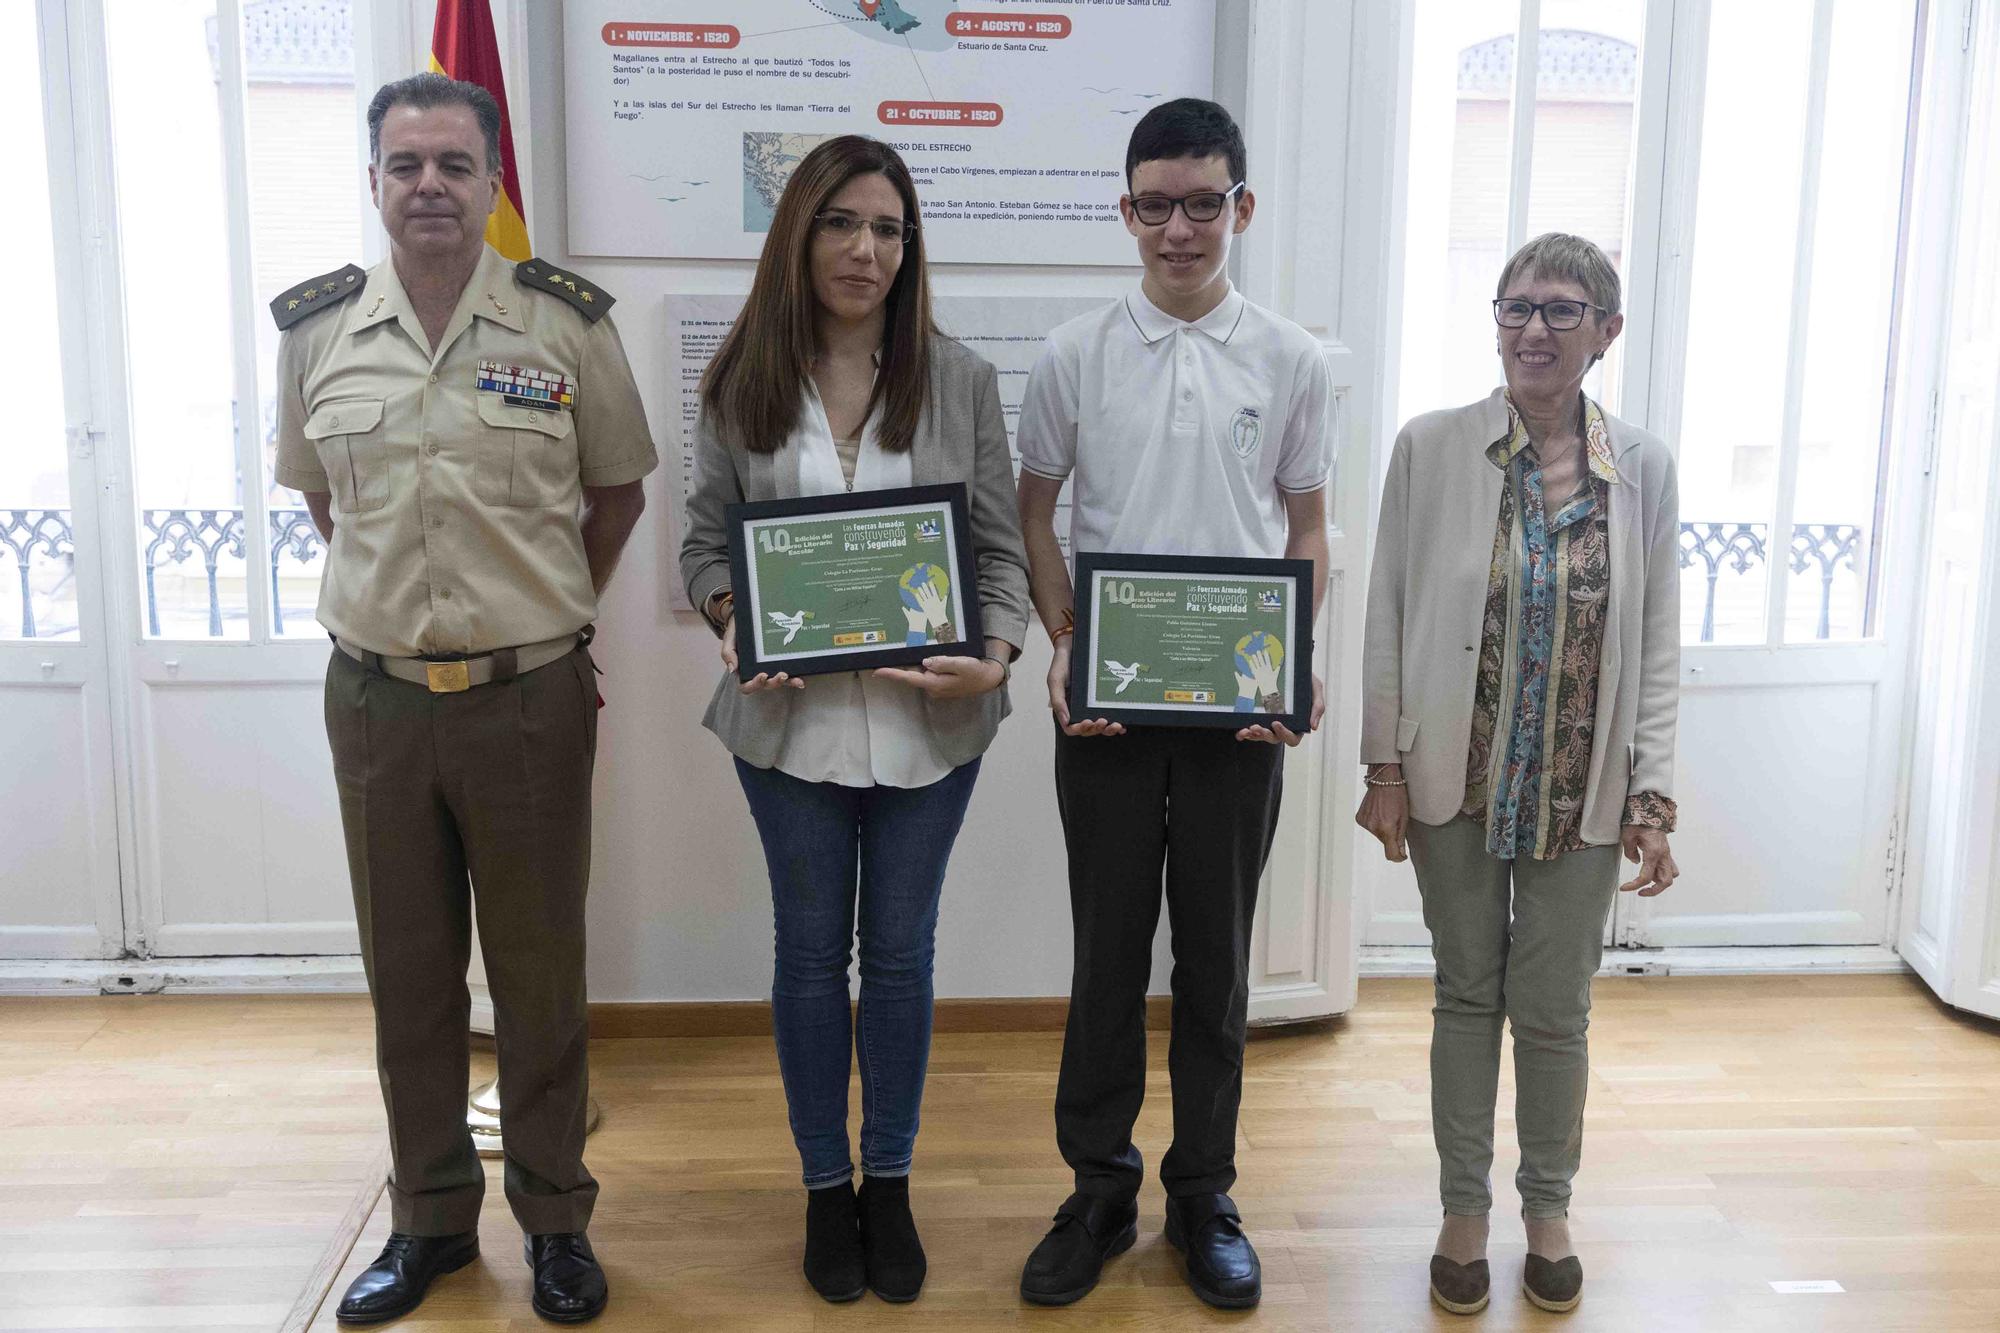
(106, 512)
(116, 505)
(1890, 572)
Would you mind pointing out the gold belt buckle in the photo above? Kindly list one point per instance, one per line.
(447, 677)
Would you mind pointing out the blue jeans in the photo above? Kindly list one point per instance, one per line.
(830, 848)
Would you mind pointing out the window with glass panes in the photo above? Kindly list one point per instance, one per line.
(1534, 116)
(239, 159)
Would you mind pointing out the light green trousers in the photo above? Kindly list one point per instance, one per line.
(1517, 940)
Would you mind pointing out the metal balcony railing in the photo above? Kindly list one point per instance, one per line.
(177, 536)
(172, 537)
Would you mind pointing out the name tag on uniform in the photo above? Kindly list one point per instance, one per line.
(525, 386)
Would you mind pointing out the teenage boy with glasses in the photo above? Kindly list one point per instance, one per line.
(1188, 421)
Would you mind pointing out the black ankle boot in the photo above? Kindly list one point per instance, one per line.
(833, 1243)
(895, 1257)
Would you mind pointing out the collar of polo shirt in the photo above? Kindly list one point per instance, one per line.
(1154, 323)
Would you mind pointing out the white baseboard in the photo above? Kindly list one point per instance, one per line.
(1415, 961)
(341, 975)
(49, 942)
(269, 939)
(336, 975)
(482, 1009)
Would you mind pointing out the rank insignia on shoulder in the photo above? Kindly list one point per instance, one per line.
(328, 289)
(588, 298)
(525, 386)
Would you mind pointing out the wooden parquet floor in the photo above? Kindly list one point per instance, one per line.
(183, 1163)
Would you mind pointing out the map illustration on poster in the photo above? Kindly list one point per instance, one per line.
(685, 118)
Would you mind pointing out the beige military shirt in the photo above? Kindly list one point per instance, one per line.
(456, 523)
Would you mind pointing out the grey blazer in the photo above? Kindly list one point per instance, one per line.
(962, 436)
(1427, 598)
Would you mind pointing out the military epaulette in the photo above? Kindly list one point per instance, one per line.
(328, 289)
(580, 292)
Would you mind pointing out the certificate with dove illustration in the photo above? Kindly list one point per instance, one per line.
(849, 582)
(1167, 640)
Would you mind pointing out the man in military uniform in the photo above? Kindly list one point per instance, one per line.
(470, 441)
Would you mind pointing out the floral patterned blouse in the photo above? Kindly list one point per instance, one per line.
(1535, 702)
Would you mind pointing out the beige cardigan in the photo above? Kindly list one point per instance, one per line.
(1427, 598)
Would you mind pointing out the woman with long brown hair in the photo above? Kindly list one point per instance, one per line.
(835, 379)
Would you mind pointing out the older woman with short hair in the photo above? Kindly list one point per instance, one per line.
(1520, 674)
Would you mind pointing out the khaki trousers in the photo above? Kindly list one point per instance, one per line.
(492, 784)
(1517, 940)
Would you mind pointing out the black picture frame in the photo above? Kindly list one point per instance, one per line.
(1090, 564)
(963, 571)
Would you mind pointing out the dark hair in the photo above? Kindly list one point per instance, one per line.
(755, 385)
(428, 90)
(1186, 127)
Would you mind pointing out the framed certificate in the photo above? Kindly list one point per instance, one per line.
(847, 582)
(1192, 641)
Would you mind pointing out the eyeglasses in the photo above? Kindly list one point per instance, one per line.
(1514, 313)
(843, 226)
(1206, 206)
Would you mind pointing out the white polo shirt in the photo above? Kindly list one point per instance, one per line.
(1180, 439)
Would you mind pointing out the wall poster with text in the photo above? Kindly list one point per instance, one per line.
(686, 117)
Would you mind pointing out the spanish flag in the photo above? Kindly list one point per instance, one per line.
(463, 46)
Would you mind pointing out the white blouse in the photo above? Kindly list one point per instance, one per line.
(851, 728)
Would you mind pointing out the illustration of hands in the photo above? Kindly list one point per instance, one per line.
(1264, 678)
(935, 613)
(1246, 693)
(918, 626)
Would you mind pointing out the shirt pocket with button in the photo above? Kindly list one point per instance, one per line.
(348, 435)
(526, 458)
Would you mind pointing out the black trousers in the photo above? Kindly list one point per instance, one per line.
(454, 804)
(1196, 809)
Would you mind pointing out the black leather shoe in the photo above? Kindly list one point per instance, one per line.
(396, 1282)
(833, 1244)
(891, 1251)
(1222, 1266)
(1070, 1259)
(569, 1286)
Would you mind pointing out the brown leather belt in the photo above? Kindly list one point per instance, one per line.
(457, 677)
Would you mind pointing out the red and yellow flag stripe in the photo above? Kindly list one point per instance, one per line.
(465, 46)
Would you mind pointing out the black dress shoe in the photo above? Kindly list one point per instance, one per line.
(396, 1282)
(1068, 1262)
(569, 1286)
(891, 1251)
(833, 1244)
(1221, 1265)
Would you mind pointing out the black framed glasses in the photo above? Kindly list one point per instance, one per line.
(1511, 312)
(843, 226)
(1203, 206)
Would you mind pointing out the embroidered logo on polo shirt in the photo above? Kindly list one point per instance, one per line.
(1246, 431)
